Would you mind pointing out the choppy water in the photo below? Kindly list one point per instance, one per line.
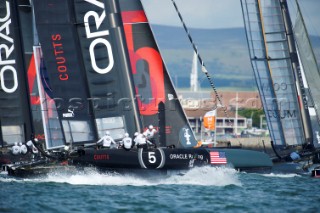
(205, 189)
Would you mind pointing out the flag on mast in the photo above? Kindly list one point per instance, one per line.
(209, 120)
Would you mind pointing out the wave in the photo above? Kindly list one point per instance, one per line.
(292, 175)
(207, 176)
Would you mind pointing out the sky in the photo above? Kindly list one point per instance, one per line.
(214, 14)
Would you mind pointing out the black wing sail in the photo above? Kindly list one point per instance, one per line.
(84, 52)
(107, 67)
(15, 118)
(58, 37)
(153, 85)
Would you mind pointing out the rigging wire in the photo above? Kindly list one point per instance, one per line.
(203, 68)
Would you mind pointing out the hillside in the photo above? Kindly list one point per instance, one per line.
(224, 52)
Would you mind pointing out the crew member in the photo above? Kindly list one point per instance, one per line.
(127, 142)
(23, 148)
(150, 132)
(107, 140)
(32, 147)
(15, 149)
(134, 139)
(141, 141)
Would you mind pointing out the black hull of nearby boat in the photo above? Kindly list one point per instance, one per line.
(172, 159)
(8, 158)
(144, 161)
(37, 168)
(304, 165)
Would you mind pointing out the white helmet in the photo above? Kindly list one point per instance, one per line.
(29, 143)
(107, 133)
(150, 127)
(16, 143)
(136, 133)
(20, 143)
(126, 134)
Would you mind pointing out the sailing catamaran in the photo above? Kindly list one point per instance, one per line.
(99, 69)
(280, 58)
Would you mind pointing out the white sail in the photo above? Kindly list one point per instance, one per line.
(194, 74)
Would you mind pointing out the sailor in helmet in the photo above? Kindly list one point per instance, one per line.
(15, 149)
(23, 148)
(134, 139)
(141, 141)
(127, 142)
(150, 133)
(107, 140)
(32, 147)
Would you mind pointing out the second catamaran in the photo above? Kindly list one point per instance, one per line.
(290, 105)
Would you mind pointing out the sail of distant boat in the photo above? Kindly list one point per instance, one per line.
(275, 66)
(194, 84)
(311, 72)
(15, 112)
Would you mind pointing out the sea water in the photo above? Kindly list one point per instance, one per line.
(205, 189)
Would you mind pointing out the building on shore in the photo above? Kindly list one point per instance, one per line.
(227, 124)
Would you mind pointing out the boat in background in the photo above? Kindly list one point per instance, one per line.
(281, 56)
(98, 69)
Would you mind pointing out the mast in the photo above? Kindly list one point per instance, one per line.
(236, 117)
(50, 125)
(297, 72)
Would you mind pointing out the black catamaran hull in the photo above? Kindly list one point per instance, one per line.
(174, 159)
(143, 161)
